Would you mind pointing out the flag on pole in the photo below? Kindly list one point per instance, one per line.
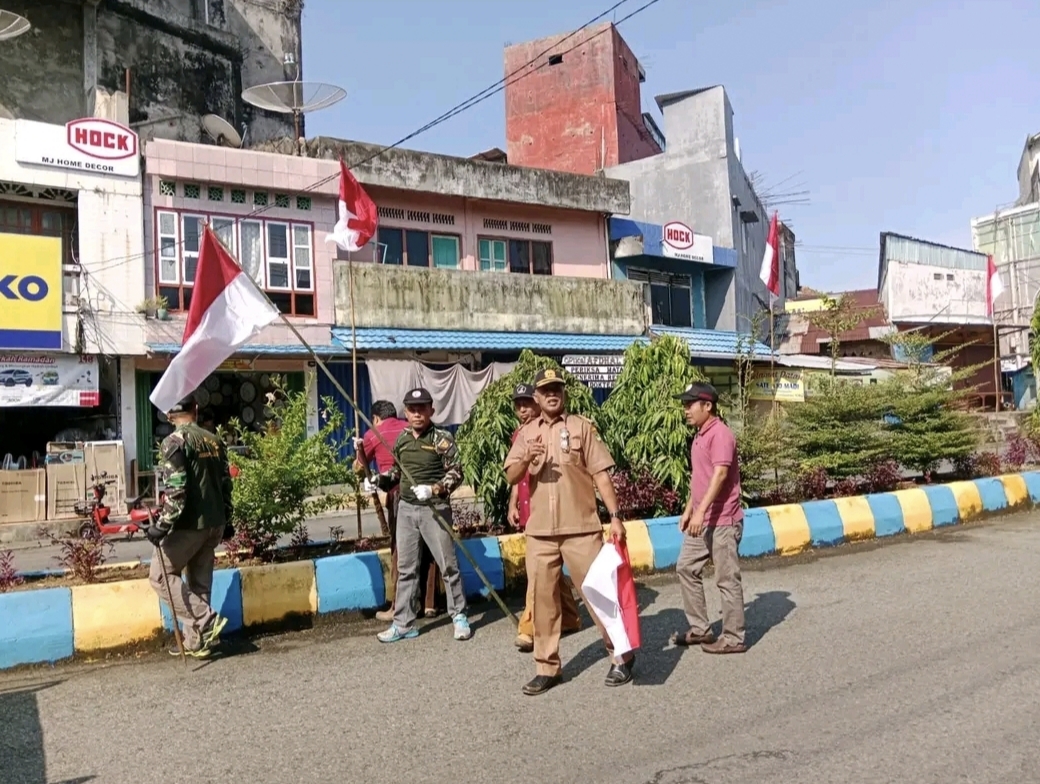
(994, 285)
(226, 312)
(770, 273)
(357, 214)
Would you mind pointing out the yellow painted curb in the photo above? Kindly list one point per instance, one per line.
(640, 550)
(113, 615)
(1015, 489)
(514, 558)
(857, 518)
(270, 593)
(917, 511)
(968, 497)
(790, 528)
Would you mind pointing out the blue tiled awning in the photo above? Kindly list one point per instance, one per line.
(250, 349)
(704, 343)
(373, 339)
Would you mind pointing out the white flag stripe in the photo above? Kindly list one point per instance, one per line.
(342, 234)
(236, 316)
(766, 272)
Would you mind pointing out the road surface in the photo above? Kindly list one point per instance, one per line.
(39, 556)
(917, 662)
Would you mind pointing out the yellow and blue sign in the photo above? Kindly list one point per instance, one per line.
(30, 292)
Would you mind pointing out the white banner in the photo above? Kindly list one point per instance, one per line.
(48, 380)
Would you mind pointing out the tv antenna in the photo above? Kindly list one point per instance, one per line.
(12, 25)
(221, 131)
(296, 98)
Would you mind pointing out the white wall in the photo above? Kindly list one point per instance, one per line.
(941, 295)
(111, 246)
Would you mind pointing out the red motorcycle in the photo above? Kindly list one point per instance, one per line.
(100, 520)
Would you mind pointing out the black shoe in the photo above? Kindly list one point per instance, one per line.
(620, 674)
(541, 684)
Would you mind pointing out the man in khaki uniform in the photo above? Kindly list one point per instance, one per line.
(566, 462)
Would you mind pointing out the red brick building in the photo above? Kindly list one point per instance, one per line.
(577, 107)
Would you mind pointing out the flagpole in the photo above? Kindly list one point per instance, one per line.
(996, 362)
(404, 471)
(353, 364)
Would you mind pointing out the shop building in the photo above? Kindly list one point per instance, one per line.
(71, 236)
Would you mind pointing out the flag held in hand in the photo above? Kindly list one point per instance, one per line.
(227, 311)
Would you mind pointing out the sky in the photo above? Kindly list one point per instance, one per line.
(895, 116)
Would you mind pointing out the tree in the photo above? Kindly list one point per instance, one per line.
(484, 438)
(840, 426)
(838, 316)
(644, 425)
(281, 467)
(925, 423)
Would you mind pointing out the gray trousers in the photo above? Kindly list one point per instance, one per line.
(417, 524)
(719, 544)
(193, 554)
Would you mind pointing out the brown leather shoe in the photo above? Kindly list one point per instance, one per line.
(689, 639)
(721, 646)
(523, 643)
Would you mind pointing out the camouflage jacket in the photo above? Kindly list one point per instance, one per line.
(195, 476)
(429, 459)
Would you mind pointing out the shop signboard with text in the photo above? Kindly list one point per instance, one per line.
(48, 380)
(597, 371)
(30, 292)
(783, 386)
(678, 241)
(91, 145)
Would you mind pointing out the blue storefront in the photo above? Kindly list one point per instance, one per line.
(689, 278)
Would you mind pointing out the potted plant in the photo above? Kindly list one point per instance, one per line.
(162, 311)
(147, 308)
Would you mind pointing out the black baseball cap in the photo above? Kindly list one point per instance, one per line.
(698, 391)
(549, 377)
(417, 397)
(185, 405)
(523, 392)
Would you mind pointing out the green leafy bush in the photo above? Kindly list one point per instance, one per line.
(280, 468)
(484, 439)
(643, 424)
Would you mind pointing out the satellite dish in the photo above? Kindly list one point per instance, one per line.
(12, 25)
(221, 131)
(296, 98)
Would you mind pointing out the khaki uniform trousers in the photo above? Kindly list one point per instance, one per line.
(720, 545)
(571, 621)
(546, 556)
(192, 553)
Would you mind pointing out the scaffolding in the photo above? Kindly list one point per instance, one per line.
(1012, 237)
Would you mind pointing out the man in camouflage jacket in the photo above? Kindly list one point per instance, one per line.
(431, 459)
(194, 474)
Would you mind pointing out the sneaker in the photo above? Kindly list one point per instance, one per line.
(461, 624)
(211, 636)
(201, 651)
(393, 634)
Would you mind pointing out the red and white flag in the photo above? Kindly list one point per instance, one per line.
(226, 312)
(610, 591)
(357, 214)
(994, 285)
(770, 273)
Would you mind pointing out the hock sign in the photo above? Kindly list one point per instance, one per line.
(678, 241)
(91, 145)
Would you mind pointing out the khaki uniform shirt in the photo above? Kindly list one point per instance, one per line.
(563, 495)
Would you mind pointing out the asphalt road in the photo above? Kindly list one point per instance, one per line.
(916, 662)
(39, 556)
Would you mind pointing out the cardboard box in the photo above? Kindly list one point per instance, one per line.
(23, 496)
(64, 453)
(66, 489)
(108, 457)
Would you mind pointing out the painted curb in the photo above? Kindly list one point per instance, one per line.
(51, 624)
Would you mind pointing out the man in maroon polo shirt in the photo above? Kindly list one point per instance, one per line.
(712, 522)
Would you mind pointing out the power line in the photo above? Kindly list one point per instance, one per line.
(488, 92)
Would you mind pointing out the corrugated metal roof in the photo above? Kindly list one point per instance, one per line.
(373, 339)
(286, 349)
(817, 362)
(703, 343)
